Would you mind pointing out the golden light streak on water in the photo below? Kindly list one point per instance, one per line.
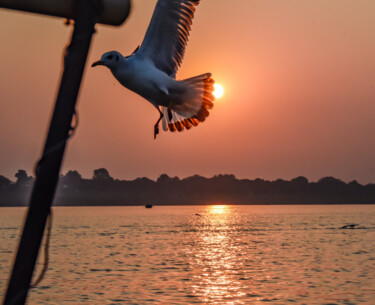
(218, 209)
(217, 258)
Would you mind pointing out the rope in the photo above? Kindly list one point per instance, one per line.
(46, 252)
(45, 263)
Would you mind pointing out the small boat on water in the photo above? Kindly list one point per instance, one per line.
(148, 206)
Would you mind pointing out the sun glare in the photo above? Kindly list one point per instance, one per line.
(218, 209)
(219, 91)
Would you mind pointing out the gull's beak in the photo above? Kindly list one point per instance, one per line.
(97, 63)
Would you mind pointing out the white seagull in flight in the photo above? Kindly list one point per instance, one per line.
(151, 70)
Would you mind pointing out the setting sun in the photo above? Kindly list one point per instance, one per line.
(219, 91)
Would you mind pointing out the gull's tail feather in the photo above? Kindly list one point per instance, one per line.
(194, 108)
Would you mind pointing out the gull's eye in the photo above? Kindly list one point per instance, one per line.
(110, 57)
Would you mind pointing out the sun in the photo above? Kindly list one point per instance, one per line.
(219, 91)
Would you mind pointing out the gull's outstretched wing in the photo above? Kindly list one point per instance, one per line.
(167, 34)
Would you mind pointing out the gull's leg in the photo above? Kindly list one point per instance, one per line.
(156, 127)
(169, 111)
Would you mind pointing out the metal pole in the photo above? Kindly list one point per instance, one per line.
(49, 167)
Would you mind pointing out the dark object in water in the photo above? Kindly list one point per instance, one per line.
(197, 214)
(351, 226)
(148, 206)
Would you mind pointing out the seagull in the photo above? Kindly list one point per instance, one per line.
(150, 71)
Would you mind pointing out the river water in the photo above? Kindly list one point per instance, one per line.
(203, 255)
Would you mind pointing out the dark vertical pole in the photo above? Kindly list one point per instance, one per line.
(49, 167)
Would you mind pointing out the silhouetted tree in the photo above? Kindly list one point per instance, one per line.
(4, 183)
(72, 177)
(163, 178)
(299, 180)
(71, 180)
(298, 185)
(101, 174)
(23, 179)
(331, 181)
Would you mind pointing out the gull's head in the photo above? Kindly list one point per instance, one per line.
(109, 59)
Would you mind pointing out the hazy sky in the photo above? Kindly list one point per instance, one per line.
(299, 79)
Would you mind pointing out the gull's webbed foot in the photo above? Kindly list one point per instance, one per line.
(156, 130)
(156, 127)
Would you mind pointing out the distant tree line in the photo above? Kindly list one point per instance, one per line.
(102, 189)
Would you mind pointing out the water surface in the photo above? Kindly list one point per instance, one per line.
(203, 255)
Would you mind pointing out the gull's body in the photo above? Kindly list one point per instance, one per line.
(142, 77)
(150, 71)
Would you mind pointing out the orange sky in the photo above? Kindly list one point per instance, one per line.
(299, 97)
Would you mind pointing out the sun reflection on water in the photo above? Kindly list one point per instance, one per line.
(217, 257)
(218, 209)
